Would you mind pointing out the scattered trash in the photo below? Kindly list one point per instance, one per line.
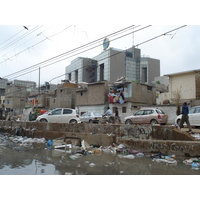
(64, 146)
(92, 165)
(160, 157)
(195, 135)
(130, 156)
(140, 154)
(68, 173)
(49, 143)
(73, 157)
(194, 162)
(121, 146)
(85, 145)
(95, 151)
(195, 165)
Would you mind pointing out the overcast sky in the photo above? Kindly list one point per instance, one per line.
(24, 49)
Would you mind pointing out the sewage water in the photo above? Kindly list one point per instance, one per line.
(41, 161)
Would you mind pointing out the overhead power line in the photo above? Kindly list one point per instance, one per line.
(20, 38)
(29, 69)
(164, 34)
(12, 37)
(45, 62)
(46, 38)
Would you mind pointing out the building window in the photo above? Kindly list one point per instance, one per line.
(70, 77)
(102, 72)
(123, 109)
(76, 76)
(144, 75)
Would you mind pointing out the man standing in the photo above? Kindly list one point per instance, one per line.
(185, 117)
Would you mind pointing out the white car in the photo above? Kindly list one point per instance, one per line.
(91, 117)
(194, 117)
(60, 115)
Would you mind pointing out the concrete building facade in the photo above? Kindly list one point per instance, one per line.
(98, 96)
(184, 86)
(111, 64)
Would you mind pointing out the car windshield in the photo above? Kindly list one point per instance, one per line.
(197, 110)
(140, 112)
(191, 110)
(159, 111)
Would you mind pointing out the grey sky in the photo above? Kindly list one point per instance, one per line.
(177, 51)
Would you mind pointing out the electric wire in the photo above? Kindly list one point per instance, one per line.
(75, 54)
(122, 50)
(134, 46)
(111, 55)
(64, 54)
(20, 38)
(12, 36)
(46, 38)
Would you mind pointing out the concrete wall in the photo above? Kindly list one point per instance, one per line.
(142, 95)
(184, 85)
(165, 139)
(95, 95)
(197, 84)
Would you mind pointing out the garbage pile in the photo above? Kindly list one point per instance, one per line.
(195, 135)
(160, 157)
(87, 149)
(194, 162)
(18, 143)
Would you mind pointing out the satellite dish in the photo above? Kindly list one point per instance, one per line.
(106, 43)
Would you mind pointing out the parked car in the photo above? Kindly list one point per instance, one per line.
(60, 115)
(90, 117)
(147, 116)
(194, 117)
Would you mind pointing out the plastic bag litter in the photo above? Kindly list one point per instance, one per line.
(139, 154)
(73, 157)
(190, 161)
(195, 166)
(130, 156)
(68, 173)
(92, 165)
(158, 160)
(121, 146)
(85, 145)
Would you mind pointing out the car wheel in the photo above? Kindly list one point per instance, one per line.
(128, 121)
(153, 122)
(90, 121)
(73, 121)
(43, 120)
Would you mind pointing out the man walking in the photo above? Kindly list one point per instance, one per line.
(185, 117)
